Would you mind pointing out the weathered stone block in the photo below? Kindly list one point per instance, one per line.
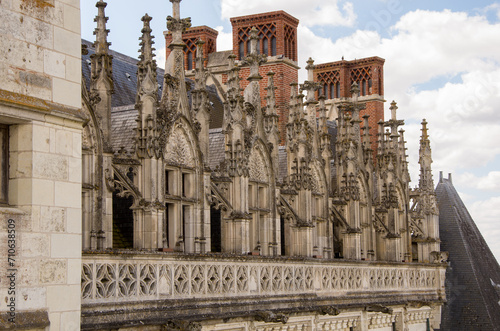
(28, 271)
(74, 3)
(42, 192)
(65, 246)
(8, 79)
(20, 138)
(53, 219)
(73, 69)
(67, 42)
(67, 195)
(50, 166)
(70, 321)
(42, 141)
(75, 172)
(6, 4)
(20, 191)
(54, 64)
(31, 298)
(72, 18)
(77, 144)
(63, 298)
(64, 142)
(35, 80)
(55, 321)
(73, 220)
(40, 33)
(47, 11)
(34, 84)
(21, 165)
(21, 54)
(53, 271)
(74, 271)
(66, 93)
(53, 140)
(34, 244)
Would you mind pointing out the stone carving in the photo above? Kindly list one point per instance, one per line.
(439, 257)
(178, 150)
(142, 278)
(179, 325)
(270, 317)
(258, 171)
(329, 310)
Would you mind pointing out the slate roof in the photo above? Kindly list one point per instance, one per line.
(123, 113)
(122, 128)
(472, 294)
(282, 163)
(124, 76)
(216, 147)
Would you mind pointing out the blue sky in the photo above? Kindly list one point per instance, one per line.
(442, 64)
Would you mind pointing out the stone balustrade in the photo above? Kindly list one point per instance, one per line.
(140, 276)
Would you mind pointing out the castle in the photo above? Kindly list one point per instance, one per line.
(218, 194)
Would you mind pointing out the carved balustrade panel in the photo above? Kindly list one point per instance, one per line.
(110, 278)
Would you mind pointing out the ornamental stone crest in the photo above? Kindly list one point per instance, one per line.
(178, 150)
(257, 169)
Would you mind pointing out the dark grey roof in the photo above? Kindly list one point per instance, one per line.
(219, 59)
(473, 298)
(217, 112)
(215, 147)
(122, 128)
(123, 114)
(124, 76)
(282, 163)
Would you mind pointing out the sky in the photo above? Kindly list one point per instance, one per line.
(442, 64)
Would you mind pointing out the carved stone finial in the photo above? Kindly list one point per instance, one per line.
(146, 40)
(354, 90)
(175, 24)
(425, 134)
(101, 44)
(254, 40)
(393, 109)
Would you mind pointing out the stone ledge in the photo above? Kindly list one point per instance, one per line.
(33, 320)
(158, 312)
(22, 101)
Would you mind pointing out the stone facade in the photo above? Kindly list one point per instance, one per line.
(40, 103)
(280, 218)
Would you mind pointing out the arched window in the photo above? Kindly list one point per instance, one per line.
(241, 47)
(265, 46)
(190, 61)
(248, 47)
(273, 46)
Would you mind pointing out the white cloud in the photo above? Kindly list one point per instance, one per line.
(463, 117)
(495, 7)
(426, 48)
(488, 213)
(490, 182)
(224, 39)
(316, 12)
(161, 57)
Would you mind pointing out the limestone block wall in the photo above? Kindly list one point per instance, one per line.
(41, 53)
(40, 98)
